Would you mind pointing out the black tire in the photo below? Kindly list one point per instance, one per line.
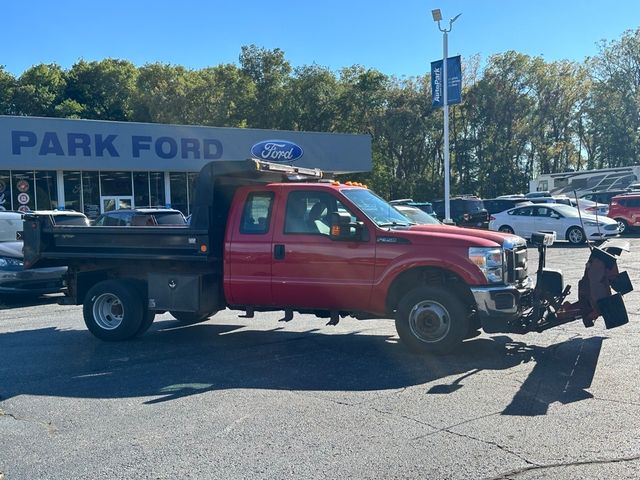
(431, 320)
(576, 236)
(623, 225)
(190, 318)
(113, 310)
(147, 321)
(506, 229)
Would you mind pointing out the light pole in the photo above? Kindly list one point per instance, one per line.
(437, 17)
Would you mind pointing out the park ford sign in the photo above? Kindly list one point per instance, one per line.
(31, 143)
(74, 144)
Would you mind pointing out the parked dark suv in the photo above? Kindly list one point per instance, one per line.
(497, 205)
(141, 217)
(467, 211)
(603, 197)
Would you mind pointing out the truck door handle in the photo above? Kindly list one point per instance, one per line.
(278, 252)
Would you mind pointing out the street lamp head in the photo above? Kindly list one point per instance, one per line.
(454, 18)
(436, 14)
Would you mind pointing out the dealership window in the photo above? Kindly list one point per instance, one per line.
(72, 183)
(179, 193)
(115, 184)
(46, 190)
(156, 187)
(141, 189)
(22, 183)
(192, 189)
(91, 194)
(5, 190)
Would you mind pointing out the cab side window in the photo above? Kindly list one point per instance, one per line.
(256, 215)
(308, 212)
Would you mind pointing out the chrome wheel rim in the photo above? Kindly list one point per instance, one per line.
(108, 311)
(506, 230)
(429, 321)
(621, 226)
(575, 236)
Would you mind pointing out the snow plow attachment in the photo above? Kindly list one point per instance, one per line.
(596, 289)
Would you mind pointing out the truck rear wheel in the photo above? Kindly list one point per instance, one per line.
(148, 317)
(431, 320)
(113, 310)
(190, 318)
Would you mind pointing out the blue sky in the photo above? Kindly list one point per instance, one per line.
(396, 37)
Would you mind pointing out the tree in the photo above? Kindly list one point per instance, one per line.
(311, 99)
(162, 93)
(39, 90)
(221, 96)
(7, 88)
(269, 72)
(616, 101)
(104, 89)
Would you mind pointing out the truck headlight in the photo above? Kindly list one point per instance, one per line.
(490, 261)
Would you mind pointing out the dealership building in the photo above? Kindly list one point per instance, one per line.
(94, 166)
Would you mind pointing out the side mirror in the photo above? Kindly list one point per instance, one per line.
(342, 228)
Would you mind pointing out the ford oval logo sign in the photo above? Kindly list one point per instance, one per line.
(277, 151)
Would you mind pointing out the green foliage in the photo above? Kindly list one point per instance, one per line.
(521, 115)
(7, 92)
(104, 89)
(39, 90)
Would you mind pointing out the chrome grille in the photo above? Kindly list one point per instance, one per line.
(516, 264)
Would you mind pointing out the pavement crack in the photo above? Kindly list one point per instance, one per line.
(447, 428)
(50, 427)
(623, 402)
(406, 417)
(534, 467)
(497, 445)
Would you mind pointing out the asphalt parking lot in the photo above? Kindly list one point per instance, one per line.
(257, 398)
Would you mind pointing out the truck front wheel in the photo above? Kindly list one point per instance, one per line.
(430, 319)
(113, 310)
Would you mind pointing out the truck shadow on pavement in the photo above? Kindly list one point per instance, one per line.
(171, 362)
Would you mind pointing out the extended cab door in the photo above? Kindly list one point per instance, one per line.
(248, 257)
(309, 269)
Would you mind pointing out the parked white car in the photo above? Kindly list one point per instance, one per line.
(561, 219)
(10, 226)
(591, 207)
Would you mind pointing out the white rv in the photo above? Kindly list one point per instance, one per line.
(586, 181)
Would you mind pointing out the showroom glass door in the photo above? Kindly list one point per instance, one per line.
(109, 203)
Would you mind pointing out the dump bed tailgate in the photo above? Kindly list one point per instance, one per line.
(46, 244)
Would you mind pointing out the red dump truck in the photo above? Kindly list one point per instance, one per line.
(266, 236)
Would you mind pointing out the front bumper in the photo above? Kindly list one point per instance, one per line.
(504, 302)
(34, 282)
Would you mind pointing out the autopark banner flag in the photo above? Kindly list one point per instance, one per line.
(454, 79)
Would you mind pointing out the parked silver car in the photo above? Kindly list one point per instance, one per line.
(14, 280)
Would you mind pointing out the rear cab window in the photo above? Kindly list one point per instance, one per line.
(256, 214)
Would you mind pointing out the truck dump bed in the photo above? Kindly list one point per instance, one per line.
(48, 244)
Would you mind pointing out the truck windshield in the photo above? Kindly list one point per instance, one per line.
(383, 214)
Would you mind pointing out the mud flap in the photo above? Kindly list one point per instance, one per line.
(594, 290)
(613, 311)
